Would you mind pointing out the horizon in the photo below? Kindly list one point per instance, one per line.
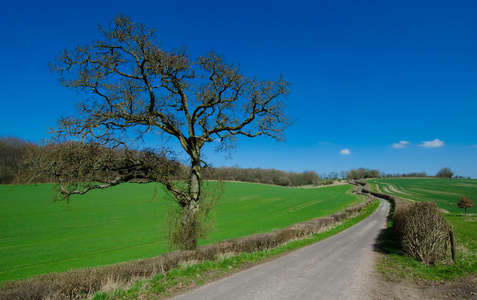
(386, 86)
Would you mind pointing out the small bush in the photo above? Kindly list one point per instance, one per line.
(422, 232)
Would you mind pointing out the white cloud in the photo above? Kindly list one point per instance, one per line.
(345, 152)
(432, 144)
(401, 144)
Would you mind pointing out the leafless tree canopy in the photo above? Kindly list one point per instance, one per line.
(81, 167)
(136, 88)
(137, 85)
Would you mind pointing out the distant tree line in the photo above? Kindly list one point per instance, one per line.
(442, 173)
(13, 149)
(412, 174)
(362, 173)
(265, 176)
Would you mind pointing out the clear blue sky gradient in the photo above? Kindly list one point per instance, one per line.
(365, 75)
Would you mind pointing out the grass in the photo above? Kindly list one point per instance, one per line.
(191, 275)
(445, 193)
(124, 223)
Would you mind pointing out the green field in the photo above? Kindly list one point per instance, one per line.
(444, 192)
(125, 223)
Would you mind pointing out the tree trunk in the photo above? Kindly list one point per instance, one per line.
(194, 180)
(190, 226)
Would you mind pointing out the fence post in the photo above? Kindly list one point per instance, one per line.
(452, 240)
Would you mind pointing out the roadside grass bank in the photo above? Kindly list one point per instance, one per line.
(397, 266)
(190, 275)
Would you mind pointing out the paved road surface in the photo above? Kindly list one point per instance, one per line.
(339, 267)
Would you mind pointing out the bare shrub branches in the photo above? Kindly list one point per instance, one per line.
(81, 167)
(422, 232)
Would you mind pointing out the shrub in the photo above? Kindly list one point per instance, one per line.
(422, 232)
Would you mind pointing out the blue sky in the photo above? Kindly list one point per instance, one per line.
(388, 85)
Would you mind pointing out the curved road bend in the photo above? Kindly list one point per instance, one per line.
(339, 267)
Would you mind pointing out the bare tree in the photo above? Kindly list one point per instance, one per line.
(136, 89)
(11, 151)
(343, 175)
(333, 175)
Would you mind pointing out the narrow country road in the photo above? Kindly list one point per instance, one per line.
(339, 267)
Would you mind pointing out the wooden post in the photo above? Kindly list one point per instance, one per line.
(452, 240)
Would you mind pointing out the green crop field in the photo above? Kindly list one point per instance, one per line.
(125, 222)
(444, 192)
